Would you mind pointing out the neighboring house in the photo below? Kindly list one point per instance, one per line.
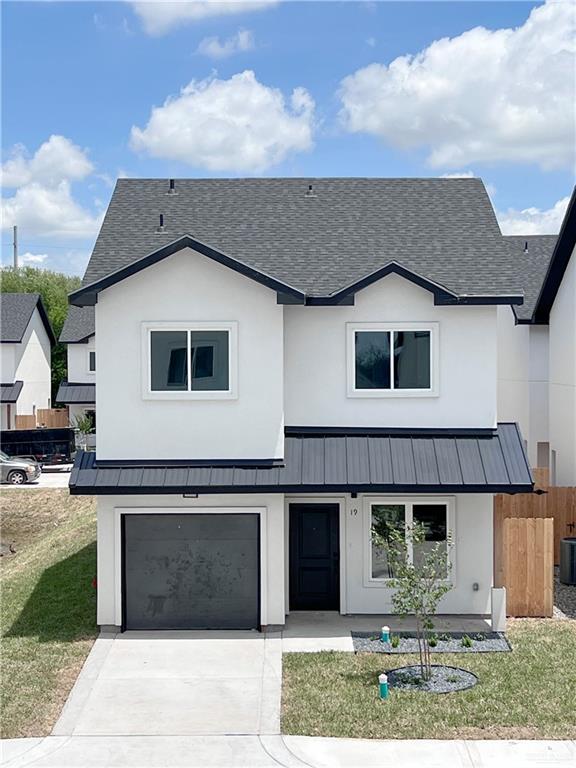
(556, 308)
(281, 364)
(26, 342)
(523, 349)
(79, 391)
(537, 350)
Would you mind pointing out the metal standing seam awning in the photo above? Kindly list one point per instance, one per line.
(334, 460)
(9, 393)
(76, 394)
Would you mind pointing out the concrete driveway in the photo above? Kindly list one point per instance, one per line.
(177, 684)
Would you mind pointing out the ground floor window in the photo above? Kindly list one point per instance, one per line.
(386, 516)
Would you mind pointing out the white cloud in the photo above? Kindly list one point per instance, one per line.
(160, 17)
(32, 258)
(234, 125)
(48, 211)
(459, 175)
(56, 159)
(484, 96)
(241, 42)
(43, 203)
(533, 221)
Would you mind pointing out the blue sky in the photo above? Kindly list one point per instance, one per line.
(90, 72)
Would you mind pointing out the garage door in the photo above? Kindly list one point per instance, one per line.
(191, 571)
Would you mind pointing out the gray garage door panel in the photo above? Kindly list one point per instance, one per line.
(191, 571)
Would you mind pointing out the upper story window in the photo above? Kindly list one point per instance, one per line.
(397, 360)
(91, 361)
(192, 361)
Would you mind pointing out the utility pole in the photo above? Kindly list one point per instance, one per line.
(15, 247)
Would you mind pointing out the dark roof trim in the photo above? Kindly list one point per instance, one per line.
(235, 463)
(295, 490)
(85, 340)
(88, 294)
(558, 264)
(442, 295)
(390, 431)
(9, 393)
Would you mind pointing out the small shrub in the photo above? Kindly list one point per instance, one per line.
(445, 637)
(394, 641)
(479, 637)
(432, 641)
(467, 641)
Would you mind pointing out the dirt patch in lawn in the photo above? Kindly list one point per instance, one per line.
(48, 604)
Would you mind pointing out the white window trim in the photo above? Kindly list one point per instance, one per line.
(88, 353)
(407, 501)
(230, 394)
(431, 327)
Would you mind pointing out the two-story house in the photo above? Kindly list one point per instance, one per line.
(26, 347)
(537, 349)
(79, 391)
(281, 365)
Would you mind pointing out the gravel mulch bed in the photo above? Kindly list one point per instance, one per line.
(448, 642)
(564, 599)
(444, 679)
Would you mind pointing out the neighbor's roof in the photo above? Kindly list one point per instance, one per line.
(352, 461)
(530, 256)
(558, 263)
(9, 393)
(442, 230)
(15, 312)
(78, 326)
(70, 393)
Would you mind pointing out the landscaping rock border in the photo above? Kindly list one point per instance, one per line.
(491, 642)
(444, 679)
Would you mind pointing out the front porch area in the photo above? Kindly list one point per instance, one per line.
(312, 631)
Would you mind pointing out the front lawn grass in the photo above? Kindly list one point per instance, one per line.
(529, 693)
(48, 607)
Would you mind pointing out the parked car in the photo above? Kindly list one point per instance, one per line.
(17, 470)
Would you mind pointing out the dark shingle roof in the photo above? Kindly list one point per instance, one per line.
(77, 394)
(15, 312)
(530, 266)
(78, 326)
(9, 393)
(444, 230)
(399, 462)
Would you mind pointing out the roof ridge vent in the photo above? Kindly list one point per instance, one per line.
(310, 192)
(160, 227)
(171, 187)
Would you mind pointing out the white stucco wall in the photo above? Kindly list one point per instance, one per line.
(188, 287)
(563, 377)
(78, 362)
(472, 558)
(109, 609)
(8, 359)
(523, 379)
(316, 358)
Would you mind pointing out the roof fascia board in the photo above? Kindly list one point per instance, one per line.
(134, 490)
(44, 317)
(558, 264)
(87, 295)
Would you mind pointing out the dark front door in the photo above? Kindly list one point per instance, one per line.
(191, 571)
(314, 557)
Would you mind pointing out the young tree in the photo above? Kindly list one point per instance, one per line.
(420, 572)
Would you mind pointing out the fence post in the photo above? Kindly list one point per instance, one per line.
(498, 609)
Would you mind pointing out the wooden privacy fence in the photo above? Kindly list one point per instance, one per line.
(557, 502)
(526, 566)
(52, 418)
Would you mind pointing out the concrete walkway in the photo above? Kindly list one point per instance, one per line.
(177, 684)
(274, 751)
